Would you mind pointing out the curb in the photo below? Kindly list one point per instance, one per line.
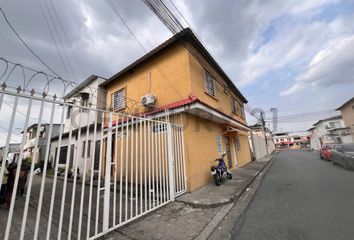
(211, 226)
(230, 199)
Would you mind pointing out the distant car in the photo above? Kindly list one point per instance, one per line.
(343, 155)
(326, 151)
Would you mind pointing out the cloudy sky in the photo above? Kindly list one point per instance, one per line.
(296, 56)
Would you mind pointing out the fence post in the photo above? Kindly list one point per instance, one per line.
(171, 162)
(107, 176)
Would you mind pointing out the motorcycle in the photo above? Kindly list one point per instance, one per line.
(220, 172)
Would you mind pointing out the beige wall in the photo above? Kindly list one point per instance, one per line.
(348, 116)
(201, 149)
(223, 101)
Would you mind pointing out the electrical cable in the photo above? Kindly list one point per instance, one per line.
(25, 44)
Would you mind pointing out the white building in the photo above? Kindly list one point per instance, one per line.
(261, 141)
(327, 131)
(77, 120)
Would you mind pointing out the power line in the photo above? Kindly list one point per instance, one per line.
(67, 38)
(60, 41)
(25, 44)
(115, 10)
(53, 38)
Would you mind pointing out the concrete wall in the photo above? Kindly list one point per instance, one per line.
(175, 75)
(78, 117)
(201, 149)
(223, 99)
(348, 116)
(169, 80)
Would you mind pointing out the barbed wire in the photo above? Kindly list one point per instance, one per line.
(9, 69)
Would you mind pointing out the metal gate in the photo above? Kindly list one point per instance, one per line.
(81, 172)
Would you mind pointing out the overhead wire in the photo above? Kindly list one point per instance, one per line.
(26, 45)
(60, 40)
(53, 38)
(67, 38)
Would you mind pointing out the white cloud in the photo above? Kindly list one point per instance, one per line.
(334, 64)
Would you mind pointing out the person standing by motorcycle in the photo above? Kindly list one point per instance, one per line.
(220, 172)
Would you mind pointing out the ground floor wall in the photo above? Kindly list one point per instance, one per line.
(204, 142)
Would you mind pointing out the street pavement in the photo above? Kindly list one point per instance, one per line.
(301, 197)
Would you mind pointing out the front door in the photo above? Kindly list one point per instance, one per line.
(228, 152)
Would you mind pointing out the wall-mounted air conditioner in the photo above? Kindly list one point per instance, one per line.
(148, 100)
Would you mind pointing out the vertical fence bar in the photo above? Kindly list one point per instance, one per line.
(73, 194)
(99, 174)
(8, 139)
(56, 162)
(153, 163)
(46, 159)
(115, 171)
(121, 170)
(9, 218)
(170, 162)
(136, 165)
(141, 166)
(149, 161)
(145, 166)
(68, 154)
(91, 177)
(126, 169)
(29, 188)
(84, 173)
(132, 168)
(107, 176)
(164, 163)
(160, 161)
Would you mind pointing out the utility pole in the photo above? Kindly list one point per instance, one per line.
(264, 130)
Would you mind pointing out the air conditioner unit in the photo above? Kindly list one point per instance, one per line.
(148, 100)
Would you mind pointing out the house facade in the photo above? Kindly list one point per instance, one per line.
(347, 111)
(29, 151)
(191, 88)
(77, 121)
(330, 130)
(286, 140)
(13, 152)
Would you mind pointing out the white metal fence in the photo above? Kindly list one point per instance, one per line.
(94, 178)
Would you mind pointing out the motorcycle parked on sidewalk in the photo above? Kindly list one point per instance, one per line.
(220, 172)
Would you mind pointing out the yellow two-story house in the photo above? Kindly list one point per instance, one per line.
(188, 83)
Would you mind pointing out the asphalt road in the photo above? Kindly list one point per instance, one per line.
(301, 197)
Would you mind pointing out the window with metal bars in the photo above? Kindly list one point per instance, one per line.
(119, 100)
(210, 85)
(238, 144)
(235, 106)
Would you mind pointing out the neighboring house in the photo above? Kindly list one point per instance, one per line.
(193, 90)
(286, 139)
(13, 152)
(347, 111)
(324, 128)
(29, 147)
(87, 94)
(262, 142)
(314, 139)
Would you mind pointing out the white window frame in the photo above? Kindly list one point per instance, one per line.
(209, 84)
(116, 102)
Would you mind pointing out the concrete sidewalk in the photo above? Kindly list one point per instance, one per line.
(193, 215)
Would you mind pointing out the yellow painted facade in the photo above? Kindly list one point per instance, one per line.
(175, 74)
